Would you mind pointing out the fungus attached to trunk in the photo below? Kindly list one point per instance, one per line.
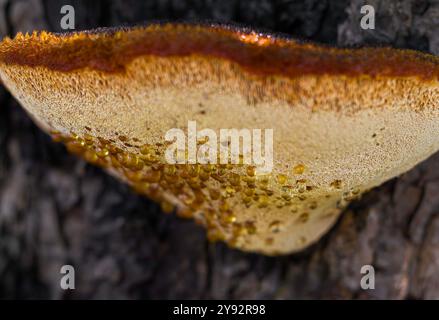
(343, 121)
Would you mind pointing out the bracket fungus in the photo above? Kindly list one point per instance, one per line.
(343, 120)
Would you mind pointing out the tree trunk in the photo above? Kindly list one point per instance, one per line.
(57, 210)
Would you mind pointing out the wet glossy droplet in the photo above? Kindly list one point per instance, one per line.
(299, 169)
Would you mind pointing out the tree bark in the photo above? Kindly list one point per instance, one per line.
(56, 210)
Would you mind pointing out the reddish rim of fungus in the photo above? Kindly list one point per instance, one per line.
(110, 50)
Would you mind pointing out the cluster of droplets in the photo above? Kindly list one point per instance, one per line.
(206, 193)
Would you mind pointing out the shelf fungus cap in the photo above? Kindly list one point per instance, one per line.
(343, 121)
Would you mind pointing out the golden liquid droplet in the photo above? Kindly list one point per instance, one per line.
(214, 194)
(230, 190)
(167, 207)
(228, 218)
(224, 206)
(263, 201)
(103, 152)
(282, 179)
(152, 176)
(204, 176)
(251, 171)
(250, 227)
(234, 179)
(214, 235)
(194, 170)
(146, 149)
(208, 168)
(221, 171)
(170, 170)
(299, 169)
(246, 199)
(185, 213)
(91, 156)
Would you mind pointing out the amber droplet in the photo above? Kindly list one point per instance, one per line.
(263, 180)
(299, 169)
(214, 235)
(141, 187)
(246, 200)
(234, 179)
(169, 170)
(115, 162)
(217, 178)
(282, 179)
(57, 138)
(263, 201)
(75, 147)
(204, 176)
(221, 171)
(251, 171)
(166, 207)
(186, 213)
(194, 170)
(91, 156)
(114, 149)
(152, 176)
(250, 227)
(224, 206)
(208, 168)
(214, 194)
(228, 218)
(146, 149)
(102, 153)
(133, 176)
(230, 190)
(88, 137)
(74, 136)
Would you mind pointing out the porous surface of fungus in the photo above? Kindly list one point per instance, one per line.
(344, 121)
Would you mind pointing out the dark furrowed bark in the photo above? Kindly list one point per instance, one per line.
(56, 210)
